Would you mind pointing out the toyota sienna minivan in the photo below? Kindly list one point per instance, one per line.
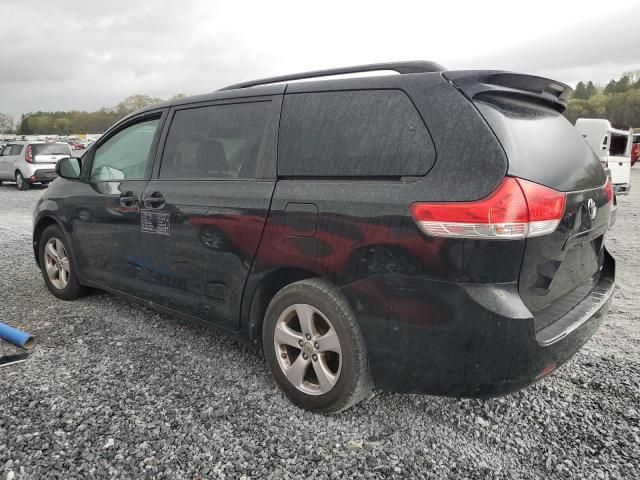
(425, 231)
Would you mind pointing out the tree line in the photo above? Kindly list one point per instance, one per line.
(618, 101)
(66, 123)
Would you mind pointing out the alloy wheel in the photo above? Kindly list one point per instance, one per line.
(57, 263)
(308, 349)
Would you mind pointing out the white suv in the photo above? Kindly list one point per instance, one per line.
(31, 162)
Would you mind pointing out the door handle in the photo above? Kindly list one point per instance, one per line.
(154, 200)
(128, 199)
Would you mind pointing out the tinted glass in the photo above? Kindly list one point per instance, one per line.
(51, 149)
(215, 142)
(354, 133)
(16, 149)
(618, 144)
(125, 156)
(6, 150)
(541, 144)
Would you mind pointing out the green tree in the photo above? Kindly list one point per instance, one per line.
(135, 102)
(590, 90)
(623, 84)
(611, 87)
(580, 92)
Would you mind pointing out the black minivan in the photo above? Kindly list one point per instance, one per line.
(426, 231)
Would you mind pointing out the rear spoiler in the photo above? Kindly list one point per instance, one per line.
(476, 84)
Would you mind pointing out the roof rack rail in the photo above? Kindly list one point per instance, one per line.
(400, 67)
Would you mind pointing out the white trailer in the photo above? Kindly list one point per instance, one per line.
(613, 147)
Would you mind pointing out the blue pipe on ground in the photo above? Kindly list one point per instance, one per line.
(15, 336)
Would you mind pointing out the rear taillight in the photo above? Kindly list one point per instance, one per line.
(28, 155)
(516, 209)
(608, 190)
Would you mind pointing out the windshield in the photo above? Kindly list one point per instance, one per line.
(50, 149)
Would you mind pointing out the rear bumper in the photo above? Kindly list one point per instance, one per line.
(622, 188)
(37, 172)
(466, 340)
(43, 175)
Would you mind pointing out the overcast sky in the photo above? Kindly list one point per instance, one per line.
(78, 54)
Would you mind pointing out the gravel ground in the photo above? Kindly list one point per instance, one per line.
(113, 389)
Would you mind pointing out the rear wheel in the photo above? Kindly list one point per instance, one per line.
(21, 182)
(57, 267)
(314, 347)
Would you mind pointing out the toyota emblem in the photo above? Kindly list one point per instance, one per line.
(591, 206)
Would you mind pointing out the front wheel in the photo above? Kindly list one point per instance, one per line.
(315, 349)
(57, 267)
(21, 182)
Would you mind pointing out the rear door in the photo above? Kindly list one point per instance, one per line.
(204, 211)
(49, 153)
(619, 161)
(558, 269)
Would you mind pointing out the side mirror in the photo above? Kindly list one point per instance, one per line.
(69, 167)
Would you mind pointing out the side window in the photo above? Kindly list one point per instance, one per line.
(215, 142)
(125, 156)
(6, 150)
(16, 149)
(353, 133)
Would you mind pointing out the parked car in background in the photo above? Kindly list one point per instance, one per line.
(76, 145)
(27, 163)
(316, 219)
(635, 149)
(613, 148)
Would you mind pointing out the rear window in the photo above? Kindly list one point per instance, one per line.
(541, 144)
(50, 149)
(353, 133)
(618, 145)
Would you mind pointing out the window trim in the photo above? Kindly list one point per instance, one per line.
(266, 162)
(364, 177)
(87, 165)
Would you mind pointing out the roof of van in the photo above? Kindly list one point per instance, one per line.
(416, 66)
(277, 85)
(486, 80)
(594, 121)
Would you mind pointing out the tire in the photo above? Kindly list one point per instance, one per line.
(62, 282)
(347, 379)
(21, 182)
